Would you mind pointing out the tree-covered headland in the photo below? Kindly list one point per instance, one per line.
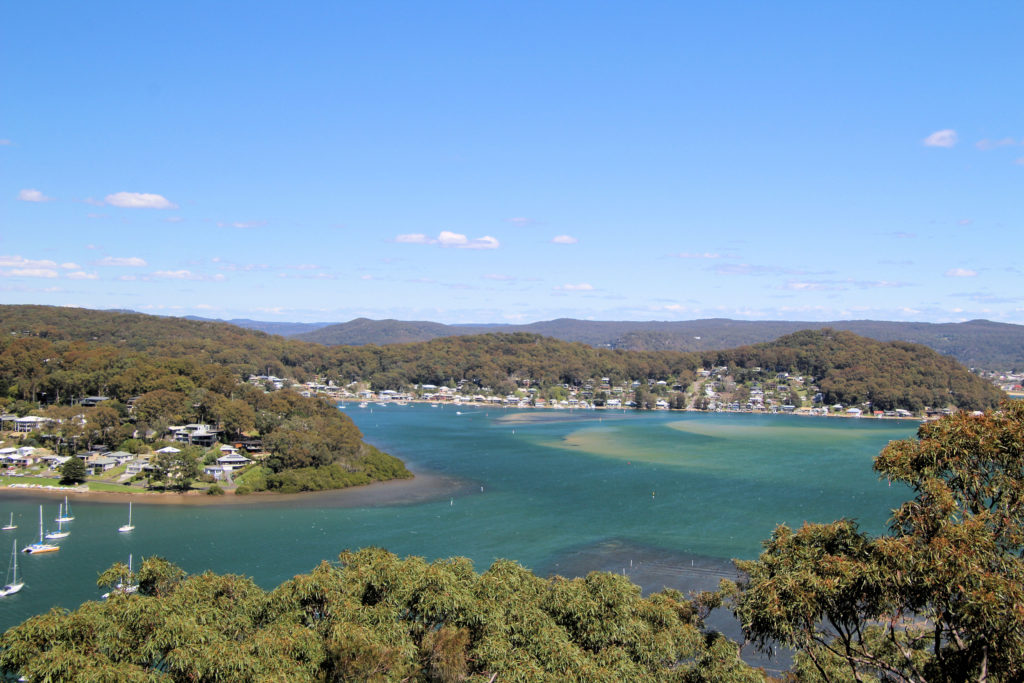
(110, 354)
(938, 598)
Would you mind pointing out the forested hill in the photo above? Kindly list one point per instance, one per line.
(94, 345)
(976, 343)
(156, 372)
(851, 369)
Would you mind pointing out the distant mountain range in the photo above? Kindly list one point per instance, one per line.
(975, 343)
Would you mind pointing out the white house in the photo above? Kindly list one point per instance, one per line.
(233, 461)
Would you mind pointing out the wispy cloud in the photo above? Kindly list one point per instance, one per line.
(241, 267)
(520, 220)
(82, 275)
(705, 255)
(499, 278)
(18, 266)
(4, 142)
(28, 272)
(961, 272)
(581, 287)
(839, 285)
(32, 195)
(941, 138)
(22, 262)
(414, 238)
(242, 225)
(121, 261)
(186, 275)
(450, 239)
(564, 239)
(139, 200)
(985, 144)
(70, 265)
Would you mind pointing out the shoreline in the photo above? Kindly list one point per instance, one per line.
(422, 487)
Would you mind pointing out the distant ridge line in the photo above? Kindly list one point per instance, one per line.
(975, 343)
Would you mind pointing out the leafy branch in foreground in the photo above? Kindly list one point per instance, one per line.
(941, 598)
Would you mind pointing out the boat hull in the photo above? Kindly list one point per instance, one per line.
(37, 548)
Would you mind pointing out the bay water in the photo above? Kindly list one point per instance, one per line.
(667, 498)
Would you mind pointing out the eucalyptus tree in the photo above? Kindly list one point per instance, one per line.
(937, 599)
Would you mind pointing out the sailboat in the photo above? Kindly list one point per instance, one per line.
(10, 525)
(129, 526)
(59, 533)
(40, 547)
(66, 516)
(13, 585)
(128, 588)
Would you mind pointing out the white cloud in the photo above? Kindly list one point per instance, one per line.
(452, 239)
(961, 272)
(414, 238)
(564, 239)
(173, 219)
(22, 262)
(33, 196)
(70, 266)
(127, 278)
(133, 261)
(941, 138)
(581, 287)
(139, 200)
(448, 238)
(29, 272)
(4, 142)
(499, 277)
(1019, 161)
(82, 275)
(521, 220)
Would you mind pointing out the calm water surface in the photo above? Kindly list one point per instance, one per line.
(557, 491)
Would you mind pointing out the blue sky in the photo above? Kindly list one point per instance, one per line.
(512, 162)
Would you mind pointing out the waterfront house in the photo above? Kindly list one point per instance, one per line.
(233, 461)
(137, 466)
(97, 464)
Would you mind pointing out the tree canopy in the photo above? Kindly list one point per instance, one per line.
(940, 598)
(373, 617)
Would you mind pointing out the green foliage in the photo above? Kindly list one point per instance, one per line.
(374, 617)
(214, 490)
(940, 597)
(73, 471)
(852, 370)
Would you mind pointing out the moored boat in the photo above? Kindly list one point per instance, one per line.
(40, 546)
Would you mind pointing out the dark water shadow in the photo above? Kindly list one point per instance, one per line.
(655, 569)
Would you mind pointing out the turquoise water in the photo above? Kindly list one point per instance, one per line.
(539, 487)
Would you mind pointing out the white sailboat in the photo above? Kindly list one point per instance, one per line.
(128, 588)
(10, 525)
(40, 547)
(66, 515)
(13, 585)
(129, 526)
(59, 533)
